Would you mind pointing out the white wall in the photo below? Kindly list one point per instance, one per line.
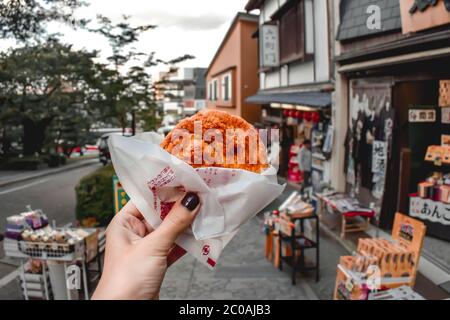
(301, 73)
(317, 43)
(272, 80)
(321, 49)
(309, 26)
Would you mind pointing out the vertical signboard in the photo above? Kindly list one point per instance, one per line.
(269, 46)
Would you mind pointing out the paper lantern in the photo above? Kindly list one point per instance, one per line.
(308, 116)
(286, 113)
(316, 117)
(292, 113)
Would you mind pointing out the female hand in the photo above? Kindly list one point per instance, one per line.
(136, 257)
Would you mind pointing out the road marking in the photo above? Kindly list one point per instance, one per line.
(23, 187)
(9, 277)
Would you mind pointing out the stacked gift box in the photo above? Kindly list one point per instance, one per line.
(436, 188)
(17, 224)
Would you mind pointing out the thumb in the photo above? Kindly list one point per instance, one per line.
(176, 222)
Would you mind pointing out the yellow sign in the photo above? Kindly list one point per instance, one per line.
(120, 196)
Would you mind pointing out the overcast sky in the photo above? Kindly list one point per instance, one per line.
(184, 26)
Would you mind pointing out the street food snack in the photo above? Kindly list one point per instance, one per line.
(231, 193)
(217, 139)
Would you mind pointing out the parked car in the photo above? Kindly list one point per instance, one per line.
(103, 150)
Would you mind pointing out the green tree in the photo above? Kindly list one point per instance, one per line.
(131, 91)
(25, 20)
(43, 82)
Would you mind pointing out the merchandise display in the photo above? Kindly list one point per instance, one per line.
(381, 264)
(432, 199)
(294, 173)
(292, 209)
(439, 155)
(35, 281)
(355, 217)
(402, 293)
(18, 223)
(35, 244)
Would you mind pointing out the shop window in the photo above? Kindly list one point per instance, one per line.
(292, 33)
(226, 87)
(210, 91)
(215, 90)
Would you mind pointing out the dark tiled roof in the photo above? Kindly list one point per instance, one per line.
(310, 99)
(354, 18)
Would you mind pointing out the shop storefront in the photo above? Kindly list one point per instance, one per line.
(299, 117)
(394, 91)
(295, 81)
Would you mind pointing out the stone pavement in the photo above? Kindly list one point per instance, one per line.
(243, 273)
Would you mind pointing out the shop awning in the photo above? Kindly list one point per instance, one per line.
(309, 99)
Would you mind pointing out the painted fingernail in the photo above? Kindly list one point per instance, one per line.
(190, 201)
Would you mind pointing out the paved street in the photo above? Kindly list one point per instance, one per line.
(243, 273)
(54, 194)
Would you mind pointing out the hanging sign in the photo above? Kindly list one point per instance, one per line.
(379, 167)
(269, 46)
(422, 115)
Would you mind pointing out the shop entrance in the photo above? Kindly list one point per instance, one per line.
(425, 174)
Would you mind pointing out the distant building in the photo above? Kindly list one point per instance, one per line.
(169, 94)
(296, 77)
(194, 90)
(232, 75)
(180, 93)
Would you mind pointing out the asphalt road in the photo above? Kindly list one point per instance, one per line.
(54, 194)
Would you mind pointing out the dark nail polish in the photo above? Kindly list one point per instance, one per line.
(190, 201)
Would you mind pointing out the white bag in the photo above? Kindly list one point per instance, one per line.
(229, 198)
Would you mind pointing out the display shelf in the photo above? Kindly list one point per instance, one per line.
(43, 251)
(359, 278)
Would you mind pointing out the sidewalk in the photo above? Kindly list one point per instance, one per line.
(243, 273)
(10, 177)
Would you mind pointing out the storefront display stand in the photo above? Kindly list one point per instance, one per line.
(350, 221)
(28, 282)
(15, 249)
(385, 282)
(297, 243)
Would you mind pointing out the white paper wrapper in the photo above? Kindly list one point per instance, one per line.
(229, 198)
